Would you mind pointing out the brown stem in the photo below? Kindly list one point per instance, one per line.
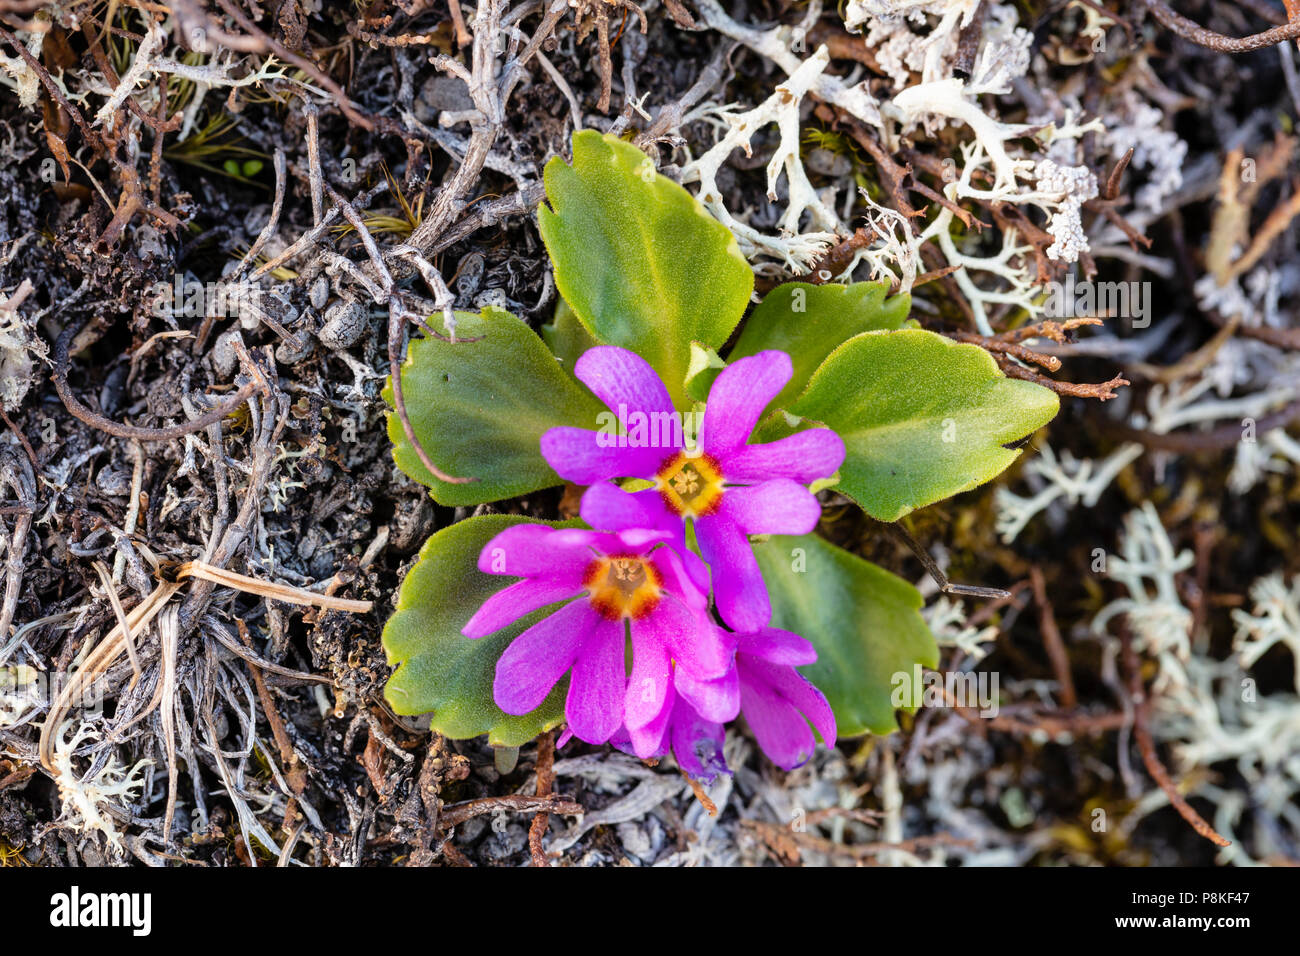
(545, 781)
(1189, 30)
(1142, 705)
(78, 410)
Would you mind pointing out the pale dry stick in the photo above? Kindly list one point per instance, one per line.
(315, 178)
(269, 420)
(204, 36)
(267, 589)
(1275, 225)
(132, 509)
(396, 314)
(367, 240)
(18, 296)
(22, 6)
(455, 814)
(169, 630)
(488, 98)
(235, 648)
(346, 265)
(317, 231)
(458, 23)
(247, 821)
(1191, 364)
(633, 55)
(294, 776)
(519, 203)
(514, 71)
(96, 663)
(110, 590)
(563, 85)
(138, 355)
(21, 632)
(443, 300)
(286, 855)
(16, 472)
(269, 229)
(671, 116)
(118, 733)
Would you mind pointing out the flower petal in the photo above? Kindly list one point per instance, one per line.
(685, 575)
(694, 641)
(778, 506)
(800, 692)
(697, 744)
(586, 457)
(512, 603)
(738, 396)
(804, 457)
(605, 505)
(777, 647)
(637, 540)
(540, 656)
(648, 686)
(598, 684)
(738, 588)
(534, 550)
(610, 508)
(776, 723)
(647, 741)
(717, 700)
(623, 380)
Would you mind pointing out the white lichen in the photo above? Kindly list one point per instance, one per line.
(1073, 481)
(1274, 619)
(86, 799)
(1160, 623)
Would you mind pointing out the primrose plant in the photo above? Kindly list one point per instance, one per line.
(692, 588)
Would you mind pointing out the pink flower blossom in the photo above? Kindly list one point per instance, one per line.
(614, 584)
(728, 488)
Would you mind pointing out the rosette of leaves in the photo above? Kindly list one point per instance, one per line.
(640, 264)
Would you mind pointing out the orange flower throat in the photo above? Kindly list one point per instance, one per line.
(623, 586)
(691, 486)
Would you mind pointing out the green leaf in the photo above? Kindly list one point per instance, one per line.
(809, 321)
(480, 407)
(643, 265)
(439, 670)
(566, 337)
(865, 623)
(705, 366)
(922, 417)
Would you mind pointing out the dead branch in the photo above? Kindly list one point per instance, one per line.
(1189, 30)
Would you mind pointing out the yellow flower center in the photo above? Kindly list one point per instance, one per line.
(690, 486)
(622, 586)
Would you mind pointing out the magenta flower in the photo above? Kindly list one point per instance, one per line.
(696, 743)
(614, 583)
(728, 488)
(776, 700)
